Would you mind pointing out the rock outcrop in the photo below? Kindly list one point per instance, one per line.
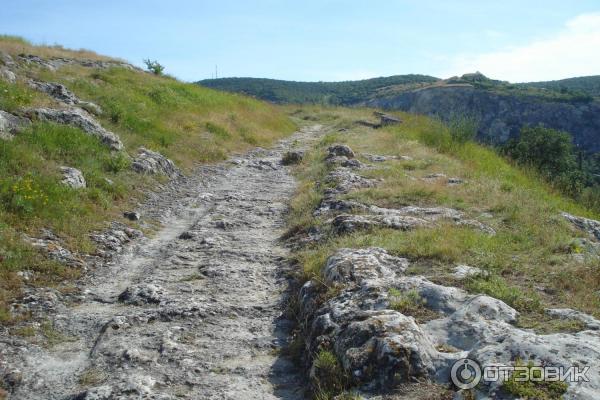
(78, 118)
(73, 178)
(11, 124)
(60, 93)
(151, 162)
(380, 345)
(500, 117)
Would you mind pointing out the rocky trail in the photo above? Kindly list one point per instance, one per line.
(194, 311)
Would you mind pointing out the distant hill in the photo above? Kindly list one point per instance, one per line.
(335, 93)
(589, 85)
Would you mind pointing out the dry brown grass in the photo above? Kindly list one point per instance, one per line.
(15, 45)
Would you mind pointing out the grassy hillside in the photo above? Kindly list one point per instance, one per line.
(535, 260)
(589, 85)
(333, 93)
(185, 122)
(583, 89)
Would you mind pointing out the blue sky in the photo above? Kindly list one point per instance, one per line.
(325, 40)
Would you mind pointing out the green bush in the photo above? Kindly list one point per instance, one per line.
(154, 66)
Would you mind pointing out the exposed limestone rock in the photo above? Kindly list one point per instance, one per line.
(353, 163)
(346, 180)
(6, 59)
(113, 239)
(567, 313)
(380, 348)
(358, 265)
(461, 272)
(380, 158)
(78, 118)
(142, 294)
(73, 178)
(151, 162)
(340, 150)
(7, 75)
(60, 92)
(590, 226)
(51, 244)
(405, 218)
(57, 62)
(10, 125)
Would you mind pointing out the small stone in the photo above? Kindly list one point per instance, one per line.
(73, 178)
(186, 235)
(461, 272)
(340, 150)
(132, 215)
(7, 75)
(10, 125)
(151, 163)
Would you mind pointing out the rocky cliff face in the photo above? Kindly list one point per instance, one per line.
(501, 116)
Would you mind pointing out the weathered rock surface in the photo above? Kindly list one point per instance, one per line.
(57, 62)
(500, 116)
(381, 158)
(592, 227)
(73, 178)
(380, 348)
(78, 118)
(152, 162)
(169, 318)
(567, 313)
(405, 218)
(52, 245)
(340, 150)
(10, 125)
(60, 92)
(7, 75)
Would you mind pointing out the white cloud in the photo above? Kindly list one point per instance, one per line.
(574, 51)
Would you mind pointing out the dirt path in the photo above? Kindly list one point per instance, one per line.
(195, 311)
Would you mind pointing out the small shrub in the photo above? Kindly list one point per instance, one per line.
(330, 377)
(538, 389)
(463, 128)
(24, 196)
(154, 66)
(117, 163)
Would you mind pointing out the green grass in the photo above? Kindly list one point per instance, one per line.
(533, 389)
(185, 122)
(529, 262)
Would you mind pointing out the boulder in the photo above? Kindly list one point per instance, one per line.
(151, 163)
(132, 215)
(7, 75)
(10, 125)
(591, 226)
(78, 118)
(73, 178)
(340, 150)
(6, 59)
(142, 294)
